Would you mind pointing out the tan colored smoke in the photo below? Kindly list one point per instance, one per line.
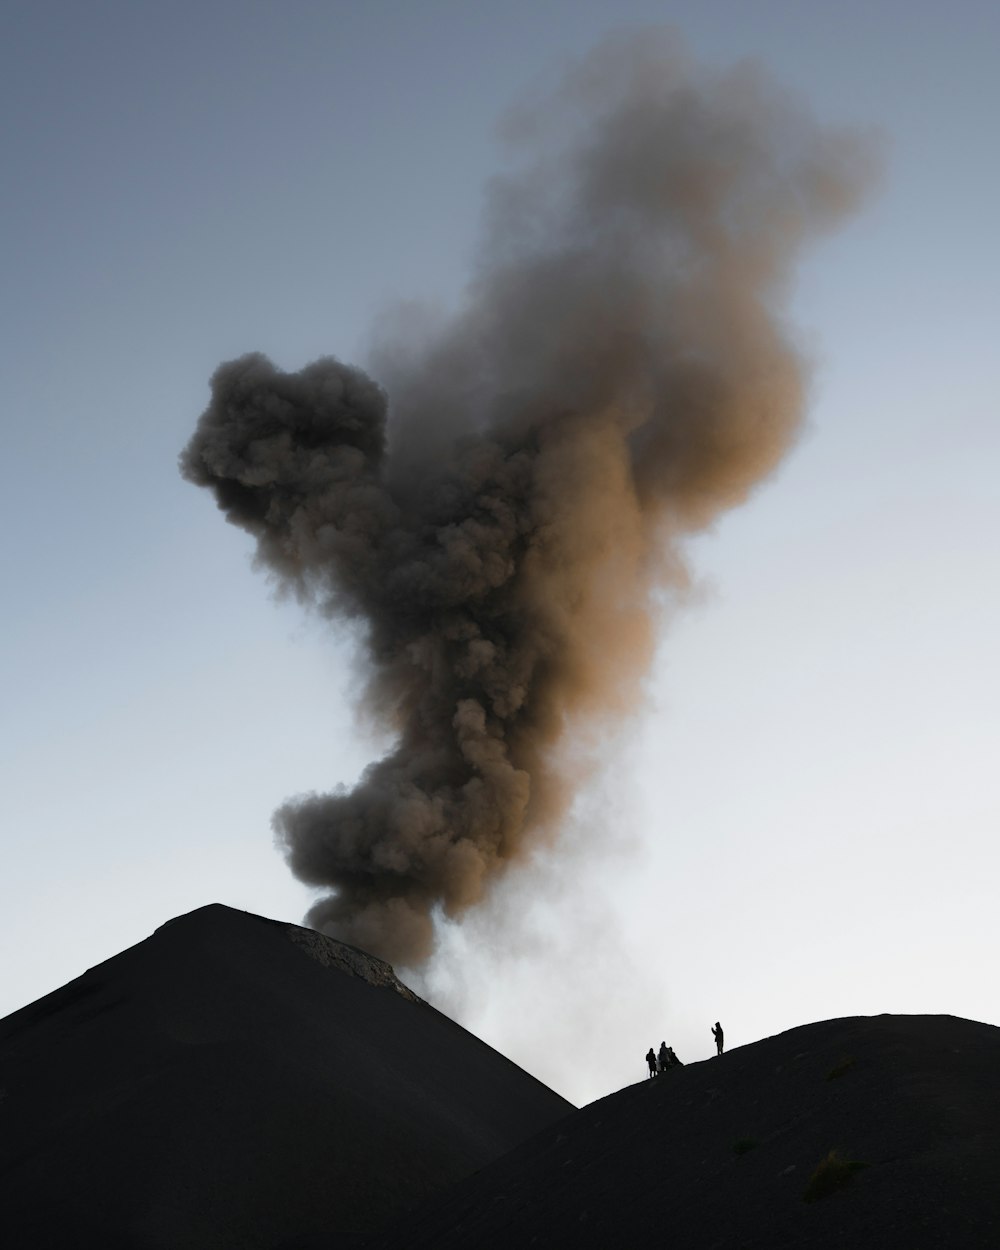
(618, 375)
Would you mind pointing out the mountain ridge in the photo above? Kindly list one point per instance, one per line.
(722, 1154)
(236, 1081)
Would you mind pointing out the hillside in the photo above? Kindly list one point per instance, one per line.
(719, 1155)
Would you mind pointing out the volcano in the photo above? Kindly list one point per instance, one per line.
(234, 1081)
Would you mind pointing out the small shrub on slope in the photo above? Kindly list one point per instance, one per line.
(833, 1173)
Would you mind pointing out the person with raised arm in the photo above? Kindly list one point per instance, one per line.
(717, 1034)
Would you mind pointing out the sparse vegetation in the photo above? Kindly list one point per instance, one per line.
(744, 1144)
(833, 1173)
(839, 1069)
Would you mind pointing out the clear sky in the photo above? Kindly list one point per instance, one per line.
(802, 823)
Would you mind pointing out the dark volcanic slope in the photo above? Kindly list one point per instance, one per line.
(719, 1154)
(235, 1082)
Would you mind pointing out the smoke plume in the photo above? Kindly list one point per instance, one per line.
(618, 374)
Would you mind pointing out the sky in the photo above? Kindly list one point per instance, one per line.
(799, 821)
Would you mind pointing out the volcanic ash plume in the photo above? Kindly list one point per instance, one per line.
(619, 374)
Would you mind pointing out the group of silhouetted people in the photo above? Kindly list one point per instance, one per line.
(660, 1062)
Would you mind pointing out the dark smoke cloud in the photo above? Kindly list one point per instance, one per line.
(618, 375)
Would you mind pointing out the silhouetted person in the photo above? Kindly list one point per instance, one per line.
(651, 1061)
(717, 1034)
(663, 1058)
(674, 1061)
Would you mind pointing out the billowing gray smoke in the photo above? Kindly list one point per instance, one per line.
(618, 374)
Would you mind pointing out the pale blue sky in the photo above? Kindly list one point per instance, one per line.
(811, 800)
